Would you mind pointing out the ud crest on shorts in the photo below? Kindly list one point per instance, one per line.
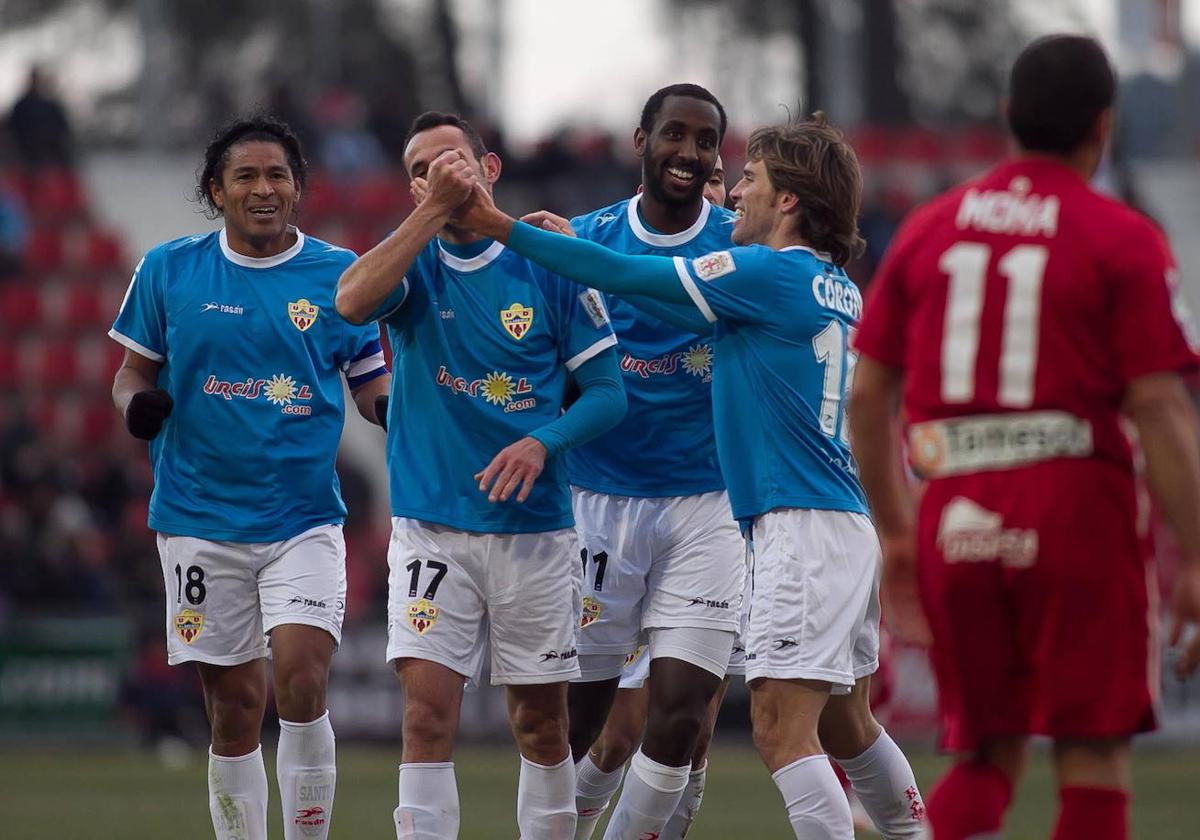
(302, 313)
(422, 616)
(189, 625)
(517, 320)
(590, 612)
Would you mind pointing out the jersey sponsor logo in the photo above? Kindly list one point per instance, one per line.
(1013, 211)
(838, 294)
(696, 360)
(422, 615)
(225, 308)
(279, 390)
(302, 313)
(497, 387)
(517, 320)
(970, 533)
(996, 441)
(591, 611)
(189, 624)
(594, 306)
(713, 265)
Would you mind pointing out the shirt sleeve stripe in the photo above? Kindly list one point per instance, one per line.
(689, 286)
(391, 311)
(135, 347)
(357, 381)
(361, 366)
(579, 358)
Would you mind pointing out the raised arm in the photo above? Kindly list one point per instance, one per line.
(584, 262)
(374, 276)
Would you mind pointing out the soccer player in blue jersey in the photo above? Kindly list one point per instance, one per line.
(483, 556)
(663, 558)
(783, 310)
(233, 371)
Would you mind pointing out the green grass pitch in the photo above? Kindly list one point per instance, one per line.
(102, 795)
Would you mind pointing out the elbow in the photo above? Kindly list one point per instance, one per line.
(346, 306)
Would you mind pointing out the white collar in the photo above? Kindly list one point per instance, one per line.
(823, 256)
(262, 262)
(664, 240)
(474, 263)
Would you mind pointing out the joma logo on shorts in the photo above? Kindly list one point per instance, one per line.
(704, 602)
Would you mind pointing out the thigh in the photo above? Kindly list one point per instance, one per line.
(615, 565)
(1035, 584)
(212, 608)
(532, 593)
(813, 573)
(305, 581)
(697, 571)
(436, 606)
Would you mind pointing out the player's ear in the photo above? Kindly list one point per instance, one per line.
(1102, 128)
(215, 192)
(789, 202)
(491, 167)
(639, 142)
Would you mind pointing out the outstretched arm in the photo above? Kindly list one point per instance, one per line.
(370, 279)
(576, 259)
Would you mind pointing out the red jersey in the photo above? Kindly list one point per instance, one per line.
(1024, 291)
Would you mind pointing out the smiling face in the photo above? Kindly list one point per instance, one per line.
(257, 195)
(756, 203)
(679, 153)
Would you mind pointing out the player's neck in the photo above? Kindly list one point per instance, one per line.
(260, 248)
(1083, 161)
(456, 236)
(669, 218)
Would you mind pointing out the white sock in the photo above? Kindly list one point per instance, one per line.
(307, 776)
(885, 785)
(237, 795)
(546, 800)
(593, 791)
(816, 806)
(428, 808)
(688, 807)
(651, 792)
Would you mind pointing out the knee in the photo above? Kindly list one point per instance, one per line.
(614, 747)
(428, 725)
(300, 694)
(847, 736)
(236, 713)
(539, 731)
(779, 742)
(673, 727)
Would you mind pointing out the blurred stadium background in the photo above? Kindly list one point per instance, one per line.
(98, 736)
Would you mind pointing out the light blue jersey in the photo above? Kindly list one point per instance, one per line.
(253, 353)
(782, 369)
(665, 445)
(483, 341)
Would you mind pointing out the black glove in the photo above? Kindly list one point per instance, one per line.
(381, 409)
(146, 412)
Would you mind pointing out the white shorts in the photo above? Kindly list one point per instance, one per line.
(451, 593)
(224, 597)
(814, 605)
(664, 562)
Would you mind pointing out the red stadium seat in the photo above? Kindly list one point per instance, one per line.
(98, 423)
(103, 251)
(44, 251)
(84, 308)
(56, 194)
(380, 197)
(20, 305)
(49, 363)
(10, 363)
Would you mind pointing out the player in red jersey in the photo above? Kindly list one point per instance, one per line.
(1020, 316)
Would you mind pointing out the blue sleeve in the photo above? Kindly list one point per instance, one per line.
(594, 265)
(404, 290)
(600, 406)
(741, 284)
(584, 329)
(683, 315)
(141, 324)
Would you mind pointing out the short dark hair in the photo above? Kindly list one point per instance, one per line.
(255, 127)
(812, 159)
(654, 104)
(1059, 85)
(433, 119)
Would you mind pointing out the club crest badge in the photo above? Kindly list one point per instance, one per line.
(422, 615)
(591, 611)
(189, 625)
(517, 320)
(302, 313)
(630, 658)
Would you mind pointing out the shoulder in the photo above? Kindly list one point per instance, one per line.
(322, 251)
(174, 251)
(598, 222)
